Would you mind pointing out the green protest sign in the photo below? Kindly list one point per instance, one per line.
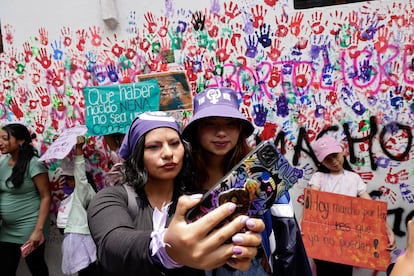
(111, 109)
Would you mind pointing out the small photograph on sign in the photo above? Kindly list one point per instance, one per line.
(175, 91)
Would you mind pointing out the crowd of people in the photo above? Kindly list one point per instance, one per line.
(137, 225)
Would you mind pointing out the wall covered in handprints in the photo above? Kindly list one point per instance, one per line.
(347, 69)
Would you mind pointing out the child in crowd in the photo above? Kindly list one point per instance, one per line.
(335, 175)
(129, 221)
(218, 134)
(78, 247)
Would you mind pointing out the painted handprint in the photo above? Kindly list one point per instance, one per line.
(264, 36)
(14, 107)
(407, 193)
(397, 177)
(44, 40)
(388, 194)
(251, 43)
(96, 36)
(44, 59)
(232, 10)
(43, 94)
(259, 114)
(296, 23)
(317, 26)
(258, 12)
(150, 24)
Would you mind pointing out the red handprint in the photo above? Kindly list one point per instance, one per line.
(43, 94)
(275, 77)
(282, 29)
(16, 109)
(337, 22)
(43, 59)
(43, 36)
(232, 10)
(316, 25)
(82, 35)
(40, 124)
(295, 24)
(395, 178)
(163, 31)
(275, 50)
(67, 36)
(221, 53)
(96, 36)
(381, 45)
(150, 25)
(388, 193)
(258, 15)
(28, 54)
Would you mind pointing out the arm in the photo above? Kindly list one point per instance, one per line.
(42, 183)
(193, 245)
(121, 248)
(404, 263)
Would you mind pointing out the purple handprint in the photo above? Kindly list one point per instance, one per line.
(259, 114)
(282, 106)
(251, 44)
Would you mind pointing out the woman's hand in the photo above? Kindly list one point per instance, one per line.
(200, 245)
(391, 238)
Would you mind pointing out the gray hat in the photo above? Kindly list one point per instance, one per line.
(216, 102)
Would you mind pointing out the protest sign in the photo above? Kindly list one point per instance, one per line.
(61, 147)
(345, 229)
(175, 92)
(111, 109)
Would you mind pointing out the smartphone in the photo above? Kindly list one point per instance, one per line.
(254, 184)
(27, 248)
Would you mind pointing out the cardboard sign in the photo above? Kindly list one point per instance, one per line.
(111, 109)
(61, 147)
(345, 229)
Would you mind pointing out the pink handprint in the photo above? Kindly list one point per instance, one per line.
(43, 94)
(9, 32)
(43, 36)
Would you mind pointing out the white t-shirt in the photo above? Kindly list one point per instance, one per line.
(63, 211)
(347, 183)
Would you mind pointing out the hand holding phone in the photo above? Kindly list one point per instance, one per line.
(27, 248)
(254, 184)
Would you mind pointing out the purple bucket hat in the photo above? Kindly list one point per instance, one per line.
(141, 125)
(216, 102)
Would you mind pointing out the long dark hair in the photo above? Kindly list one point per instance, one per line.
(26, 152)
(136, 174)
(232, 158)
